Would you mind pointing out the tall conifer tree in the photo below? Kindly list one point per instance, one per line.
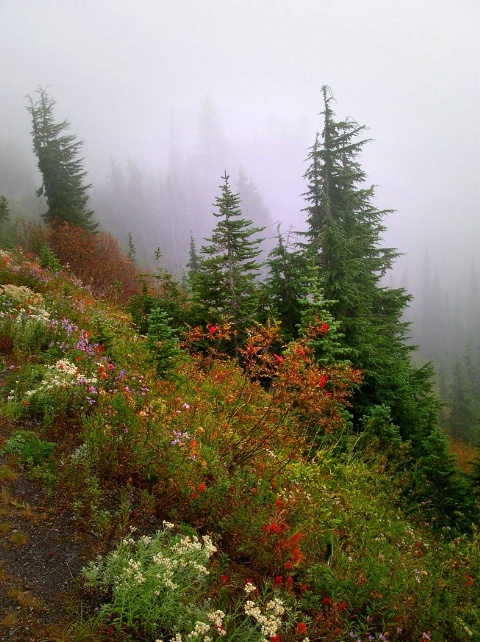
(345, 232)
(61, 169)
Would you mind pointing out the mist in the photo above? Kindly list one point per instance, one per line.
(168, 95)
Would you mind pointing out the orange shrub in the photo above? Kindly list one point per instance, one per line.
(96, 259)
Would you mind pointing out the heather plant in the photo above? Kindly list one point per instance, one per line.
(121, 437)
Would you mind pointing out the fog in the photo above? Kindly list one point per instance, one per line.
(134, 79)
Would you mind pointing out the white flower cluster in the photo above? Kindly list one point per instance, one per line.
(27, 305)
(217, 617)
(151, 574)
(80, 452)
(249, 588)
(134, 569)
(270, 621)
(21, 294)
(201, 629)
(167, 566)
(59, 375)
(168, 525)
(188, 544)
(177, 638)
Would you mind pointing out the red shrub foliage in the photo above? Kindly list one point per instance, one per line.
(96, 259)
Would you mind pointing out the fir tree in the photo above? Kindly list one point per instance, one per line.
(464, 408)
(344, 226)
(317, 322)
(282, 287)
(6, 233)
(4, 211)
(225, 283)
(161, 340)
(193, 260)
(61, 169)
(344, 233)
(132, 250)
(445, 491)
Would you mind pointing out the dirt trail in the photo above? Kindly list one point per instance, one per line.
(41, 555)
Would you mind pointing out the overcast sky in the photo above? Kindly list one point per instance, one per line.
(120, 70)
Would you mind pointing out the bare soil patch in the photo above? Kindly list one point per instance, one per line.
(41, 556)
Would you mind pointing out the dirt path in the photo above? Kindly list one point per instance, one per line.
(41, 555)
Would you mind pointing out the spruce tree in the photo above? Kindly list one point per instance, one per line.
(344, 226)
(224, 284)
(463, 417)
(6, 235)
(61, 169)
(132, 250)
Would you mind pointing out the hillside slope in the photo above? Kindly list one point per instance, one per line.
(227, 503)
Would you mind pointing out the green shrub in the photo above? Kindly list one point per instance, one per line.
(32, 449)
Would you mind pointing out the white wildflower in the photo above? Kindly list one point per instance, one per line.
(168, 525)
(200, 629)
(249, 588)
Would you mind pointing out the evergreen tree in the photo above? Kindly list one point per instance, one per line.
(6, 232)
(61, 169)
(161, 340)
(344, 233)
(445, 491)
(282, 287)
(225, 282)
(132, 250)
(317, 322)
(344, 226)
(255, 210)
(193, 259)
(4, 211)
(464, 407)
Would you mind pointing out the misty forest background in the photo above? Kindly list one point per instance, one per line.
(172, 211)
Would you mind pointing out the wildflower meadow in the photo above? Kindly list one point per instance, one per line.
(230, 497)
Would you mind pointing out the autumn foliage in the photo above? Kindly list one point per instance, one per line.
(96, 259)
